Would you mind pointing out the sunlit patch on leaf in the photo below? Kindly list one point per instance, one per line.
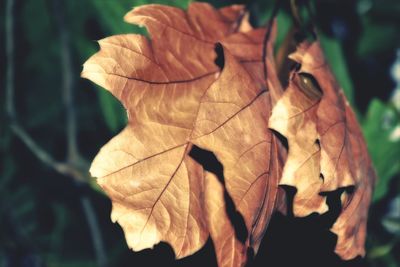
(197, 83)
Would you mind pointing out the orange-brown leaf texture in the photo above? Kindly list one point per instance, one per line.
(177, 97)
(198, 84)
(327, 151)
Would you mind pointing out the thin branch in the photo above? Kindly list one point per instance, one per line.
(17, 129)
(268, 34)
(67, 85)
(41, 154)
(95, 231)
(71, 167)
(296, 14)
(303, 29)
(63, 168)
(9, 32)
(73, 156)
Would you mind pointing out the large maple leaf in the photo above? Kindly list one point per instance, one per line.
(327, 151)
(183, 93)
(197, 157)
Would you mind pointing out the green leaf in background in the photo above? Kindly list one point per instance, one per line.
(377, 37)
(393, 224)
(284, 22)
(391, 220)
(335, 56)
(113, 12)
(378, 126)
(113, 112)
(380, 251)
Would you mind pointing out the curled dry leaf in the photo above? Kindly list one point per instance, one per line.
(198, 87)
(326, 148)
(181, 90)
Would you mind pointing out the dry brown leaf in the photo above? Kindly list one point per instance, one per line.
(326, 148)
(182, 92)
(177, 97)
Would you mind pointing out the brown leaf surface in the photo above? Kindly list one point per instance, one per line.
(326, 148)
(176, 96)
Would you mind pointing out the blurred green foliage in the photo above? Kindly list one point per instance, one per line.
(39, 210)
(380, 123)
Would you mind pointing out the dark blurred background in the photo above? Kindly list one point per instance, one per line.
(52, 123)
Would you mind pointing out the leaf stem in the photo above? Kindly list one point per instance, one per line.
(267, 35)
